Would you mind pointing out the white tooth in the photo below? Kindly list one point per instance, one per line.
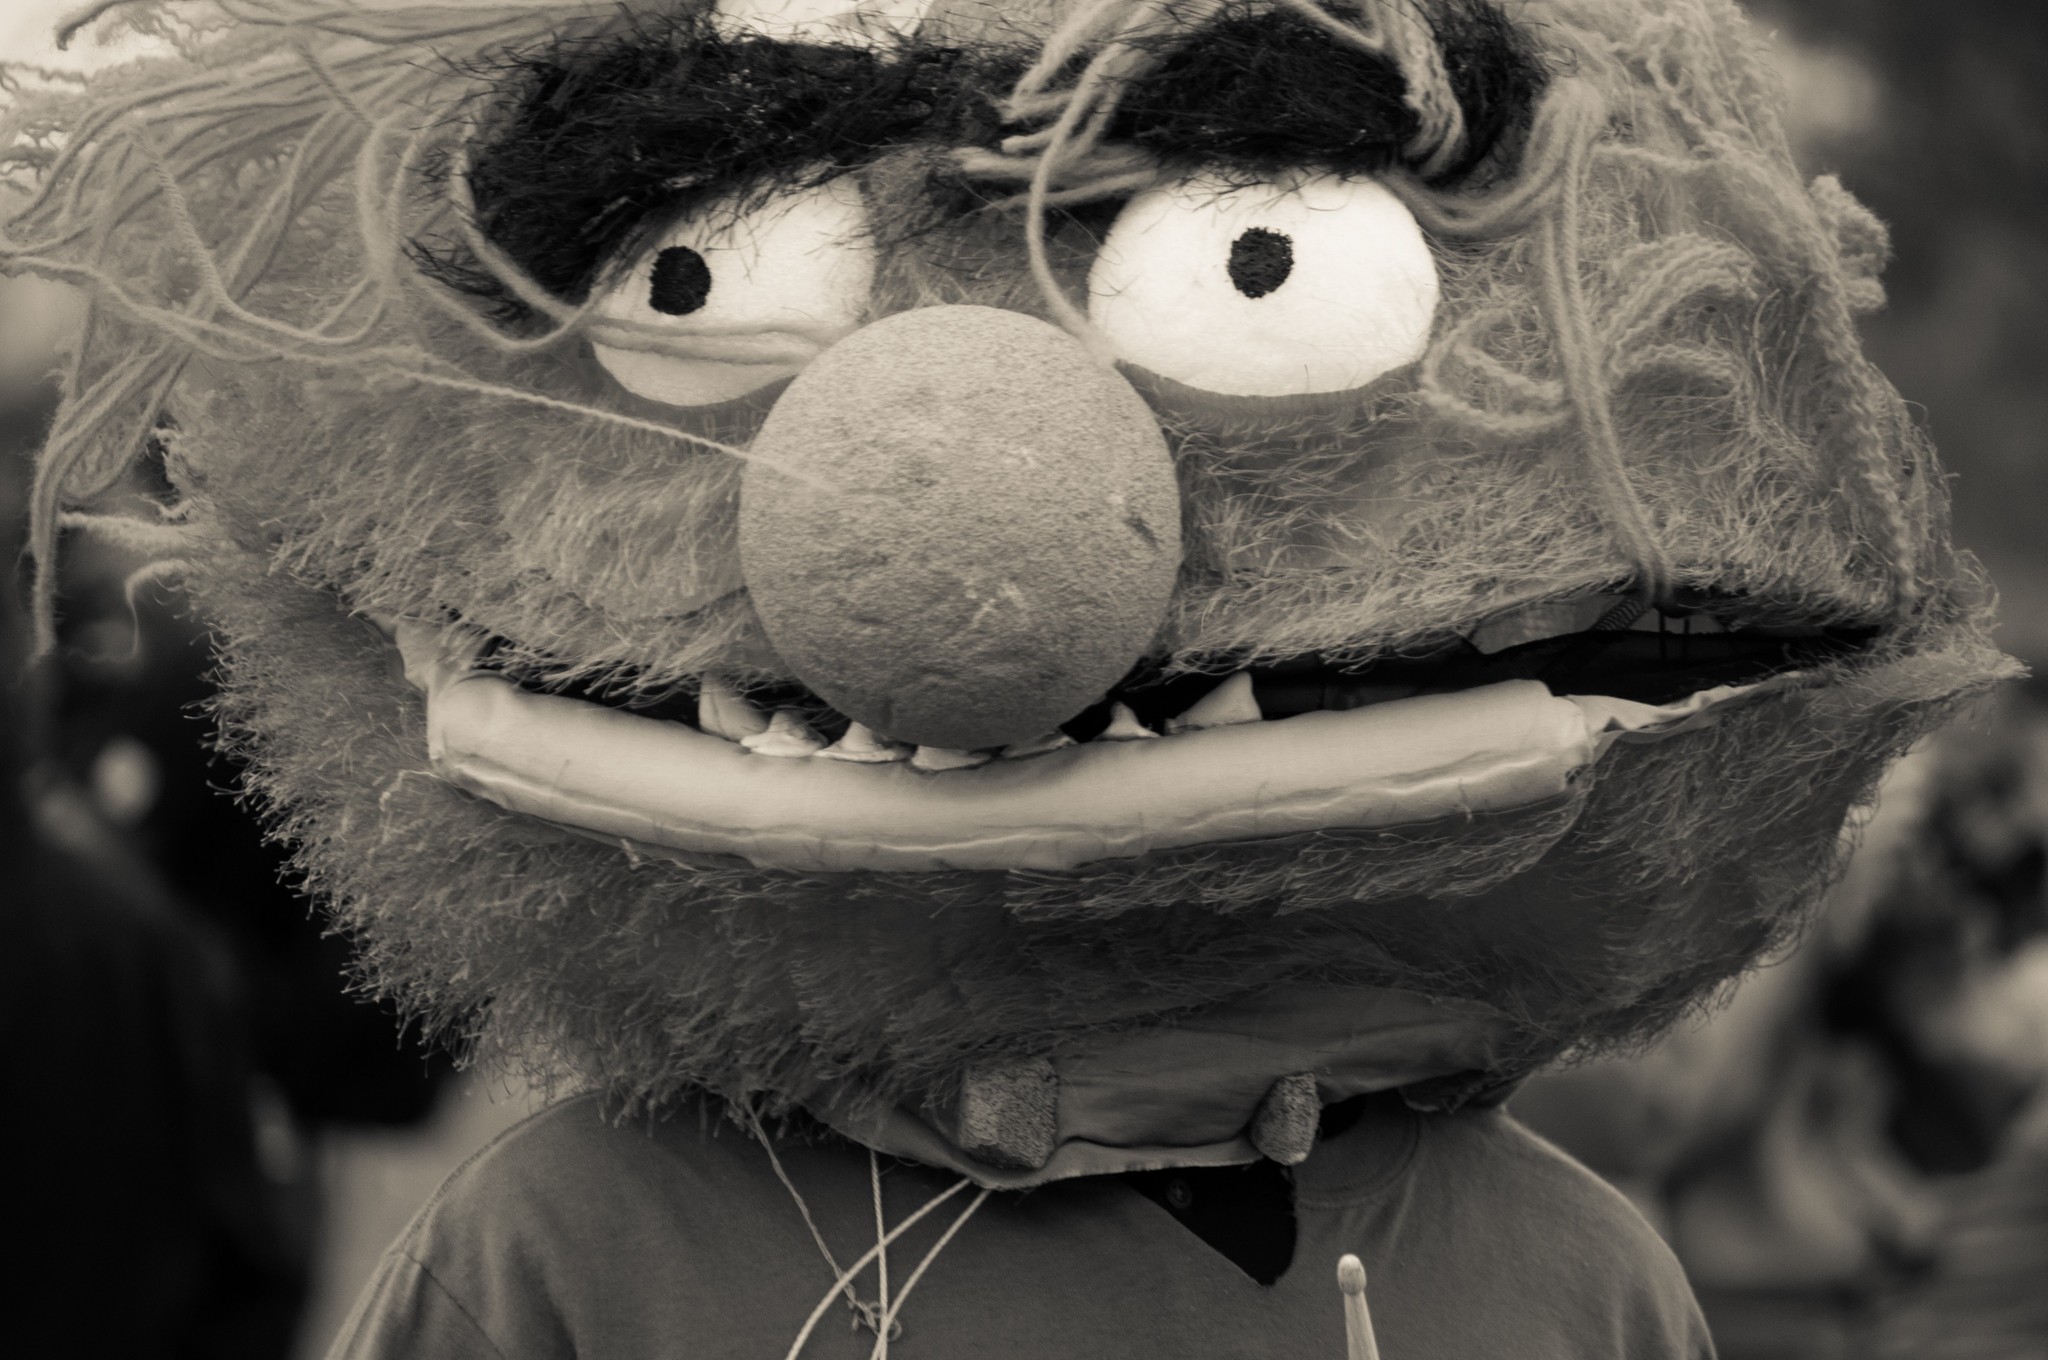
(724, 712)
(788, 735)
(1228, 704)
(937, 758)
(1124, 726)
(861, 746)
(1052, 741)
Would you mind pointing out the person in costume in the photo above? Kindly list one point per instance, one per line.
(1041, 647)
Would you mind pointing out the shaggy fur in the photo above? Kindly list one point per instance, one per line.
(620, 135)
(1261, 91)
(1645, 370)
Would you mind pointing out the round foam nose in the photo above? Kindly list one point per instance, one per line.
(958, 528)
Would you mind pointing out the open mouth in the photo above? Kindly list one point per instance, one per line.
(1505, 717)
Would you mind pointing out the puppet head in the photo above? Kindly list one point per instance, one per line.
(1037, 580)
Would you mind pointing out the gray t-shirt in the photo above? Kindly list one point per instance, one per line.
(572, 1236)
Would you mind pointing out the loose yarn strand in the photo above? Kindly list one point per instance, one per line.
(1623, 512)
(70, 25)
(1124, 32)
(462, 210)
(1568, 116)
(478, 387)
(1396, 31)
(1077, 130)
(1059, 49)
(333, 87)
(251, 99)
(375, 214)
(68, 447)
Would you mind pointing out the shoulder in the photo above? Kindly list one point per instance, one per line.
(1562, 1244)
(549, 1151)
(1533, 1193)
(538, 1241)
(574, 1173)
(1493, 1149)
(545, 1165)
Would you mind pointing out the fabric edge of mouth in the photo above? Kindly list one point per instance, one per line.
(666, 790)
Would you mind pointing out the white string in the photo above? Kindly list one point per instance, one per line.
(845, 1279)
(811, 1324)
(889, 1318)
(882, 1328)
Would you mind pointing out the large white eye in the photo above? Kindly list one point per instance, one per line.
(735, 298)
(1312, 283)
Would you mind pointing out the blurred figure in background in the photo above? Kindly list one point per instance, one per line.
(133, 731)
(1980, 993)
(180, 1037)
(147, 1225)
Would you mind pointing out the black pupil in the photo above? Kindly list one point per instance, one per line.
(681, 282)
(1260, 261)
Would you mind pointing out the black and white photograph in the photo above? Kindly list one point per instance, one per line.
(1024, 679)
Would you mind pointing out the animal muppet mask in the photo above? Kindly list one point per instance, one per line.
(1054, 586)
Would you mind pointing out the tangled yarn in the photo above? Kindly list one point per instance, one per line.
(332, 102)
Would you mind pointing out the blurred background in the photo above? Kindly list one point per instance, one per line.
(1851, 1158)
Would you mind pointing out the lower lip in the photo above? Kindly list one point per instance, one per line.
(666, 789)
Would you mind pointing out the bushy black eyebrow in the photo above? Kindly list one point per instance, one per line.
(1265, 89)
(586, 144)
